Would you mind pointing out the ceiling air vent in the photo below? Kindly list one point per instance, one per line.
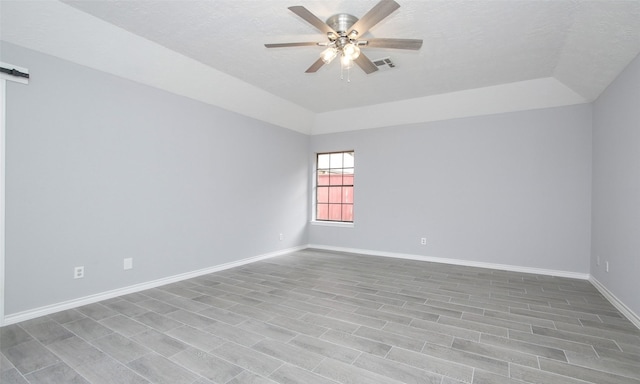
(384, 63)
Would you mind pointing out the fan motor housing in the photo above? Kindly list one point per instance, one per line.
(341, 22)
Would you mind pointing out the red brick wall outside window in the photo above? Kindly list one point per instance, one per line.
(334, 186)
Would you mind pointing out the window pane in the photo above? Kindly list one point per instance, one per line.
(335, 179)
(347, 212)
(322, 195)
(347, 195)
(322, 212)
(348, 160)
(335, 195)
(335, 212)
(347, 179)
(323, 160)
(336, 160)
(323, 178)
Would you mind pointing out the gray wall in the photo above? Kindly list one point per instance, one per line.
(616, 187)
(100, 168)
(510, 189)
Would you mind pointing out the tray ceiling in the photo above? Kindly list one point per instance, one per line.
(468, 45)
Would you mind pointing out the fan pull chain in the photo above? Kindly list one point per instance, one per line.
(342, 72)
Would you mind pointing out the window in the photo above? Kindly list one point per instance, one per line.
(334, 186)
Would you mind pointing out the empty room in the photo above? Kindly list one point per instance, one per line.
(320, 191)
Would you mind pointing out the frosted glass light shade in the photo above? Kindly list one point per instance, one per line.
(346, 62)
(351, 51)
(329, 54)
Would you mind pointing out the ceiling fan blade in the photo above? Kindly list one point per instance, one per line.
(414, 44)
(366, 64)
(381, 10)
(315, 66)
(311, 18)
(285, 45)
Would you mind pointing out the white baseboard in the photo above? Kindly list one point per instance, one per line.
(53, 308)
(620, 306)
(74, 303)
(503, 267)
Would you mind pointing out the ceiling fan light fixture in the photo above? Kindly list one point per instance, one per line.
(329, 54)
(346, 35)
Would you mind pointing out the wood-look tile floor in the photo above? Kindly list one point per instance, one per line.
(322, 317)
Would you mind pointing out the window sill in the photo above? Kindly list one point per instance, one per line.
(331, 224)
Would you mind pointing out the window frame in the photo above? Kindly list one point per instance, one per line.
(348, 169)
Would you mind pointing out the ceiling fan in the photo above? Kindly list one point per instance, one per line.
(344, 37)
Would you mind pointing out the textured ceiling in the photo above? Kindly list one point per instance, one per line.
(467, 44)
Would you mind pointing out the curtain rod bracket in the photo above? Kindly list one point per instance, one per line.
(14, 72)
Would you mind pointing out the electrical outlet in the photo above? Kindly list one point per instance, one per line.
(423, 240)
(281, 236)
(606, 266)
(128, 263)
(78, 272)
